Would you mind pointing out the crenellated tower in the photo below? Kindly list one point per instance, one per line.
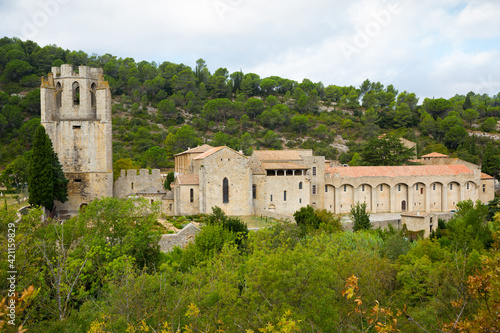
(76, 113)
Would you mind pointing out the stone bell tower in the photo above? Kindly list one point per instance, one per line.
(76, 113)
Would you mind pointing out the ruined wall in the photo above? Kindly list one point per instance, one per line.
(181, 239)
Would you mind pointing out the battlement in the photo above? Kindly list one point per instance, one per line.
(86, 72)
(134, 181)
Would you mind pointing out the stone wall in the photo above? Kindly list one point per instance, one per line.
(180, 239)
(132, 182)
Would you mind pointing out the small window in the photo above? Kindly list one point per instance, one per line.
(284, 195)
(467, 185)
(77, 180)
(416, 187)
(484, 188)
(300, 185)
(300, 200)
(76, 93)
(381, 188)
(433, 187)
(152, 201)
(399, 188)
(451, 186)
(254, 191)
(271, 197)
(131, 186)
(326, 188)
(170, 206)
(225, 191)
(345, 188)
(314, 189)
(362, 188)
(421, 190)
(77, 127)
(191, 195)
(314, 171)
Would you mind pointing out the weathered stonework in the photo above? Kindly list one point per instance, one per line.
(180, 239)
(76, 113)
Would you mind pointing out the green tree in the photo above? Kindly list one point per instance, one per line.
(489, 125)
(359, 217)
(470, 115)
(122, 164)
(46, 181)
(388, 150)
(490, 163)
(169, 180)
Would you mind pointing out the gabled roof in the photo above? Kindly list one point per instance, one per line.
(282, 166)
(486, 176)
(209, 152)
(434, 154)
(277, 155)
(399, 171)
(197, 150)
(187, 180)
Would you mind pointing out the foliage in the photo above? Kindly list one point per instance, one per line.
(46, 180)
(359, 217)
(387, 150)
(310, 219)
(169, 180)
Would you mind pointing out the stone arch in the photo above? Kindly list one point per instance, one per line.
(470, 190)
(330, 198)
(453, 195)
(346, 197)
(436, 196)
(383, 198)
(418, 195)
(365, 195)
(76, 93)
(400, 196)
(271, 208)
(83, 206)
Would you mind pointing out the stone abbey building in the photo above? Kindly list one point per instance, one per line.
(76, 112)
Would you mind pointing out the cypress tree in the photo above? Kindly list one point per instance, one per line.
(46, 179)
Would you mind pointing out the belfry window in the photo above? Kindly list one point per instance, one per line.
(76, 93)
(58, 95)
(225, 191)
(92, 95)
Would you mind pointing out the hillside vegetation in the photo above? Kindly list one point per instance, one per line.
(162, 109)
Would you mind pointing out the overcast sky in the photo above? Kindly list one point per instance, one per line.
(434, 48)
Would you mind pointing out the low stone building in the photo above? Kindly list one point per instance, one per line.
(277, 183)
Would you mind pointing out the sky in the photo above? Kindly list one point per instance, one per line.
(434, 48)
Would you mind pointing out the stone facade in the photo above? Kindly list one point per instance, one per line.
(76, 113)
(278, 183)
(180, 239)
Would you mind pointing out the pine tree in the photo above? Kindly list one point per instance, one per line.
(491, 161)
(46, 180)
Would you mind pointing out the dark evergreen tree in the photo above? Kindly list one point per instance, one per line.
(360, 217)
(169, 180)
(491, 161)
(387, 150)
(46, 180)
(467, 102)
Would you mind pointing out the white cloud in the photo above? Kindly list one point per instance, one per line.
(427, 47)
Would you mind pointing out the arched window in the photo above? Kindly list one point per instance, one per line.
(225, 191)
(92, 95)
(191, 195)
(58, 95)
(284, 195)
(76, 93)
(300, 185)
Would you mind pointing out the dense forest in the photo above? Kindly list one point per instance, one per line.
(103, 271)
(162, 109)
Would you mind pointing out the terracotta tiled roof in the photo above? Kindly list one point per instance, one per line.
(277, 155)
(486, 176)
(188, 180)
(282, 166)
(209, 152)
(399, 171)
(199, 149)
(434, 154)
